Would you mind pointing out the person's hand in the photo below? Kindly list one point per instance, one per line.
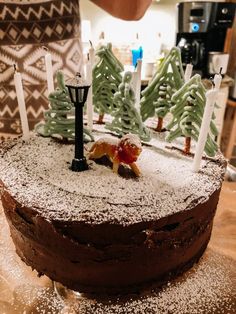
(124, 9)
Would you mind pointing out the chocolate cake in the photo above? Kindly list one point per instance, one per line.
(96, 231)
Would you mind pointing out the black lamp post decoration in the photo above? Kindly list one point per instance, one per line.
(78, 91)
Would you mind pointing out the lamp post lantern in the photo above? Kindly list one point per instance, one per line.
(78, 91)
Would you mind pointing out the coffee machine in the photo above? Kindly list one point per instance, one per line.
(201, 30)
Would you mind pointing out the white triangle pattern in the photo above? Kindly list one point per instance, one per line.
(32, 13)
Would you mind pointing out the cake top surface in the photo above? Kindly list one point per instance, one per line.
(36, 173)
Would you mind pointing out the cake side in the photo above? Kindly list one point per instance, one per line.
(145, 222)
(111, 258)
(126, 235)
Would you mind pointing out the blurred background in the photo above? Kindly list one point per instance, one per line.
(205, 33)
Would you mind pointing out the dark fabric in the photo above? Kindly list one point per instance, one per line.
(26, 27)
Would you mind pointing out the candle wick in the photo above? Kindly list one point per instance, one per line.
(91, 44)
(212, 81)
(221, 70)
(78, 77)
(88, 56)
(14, 66)
(45, 48)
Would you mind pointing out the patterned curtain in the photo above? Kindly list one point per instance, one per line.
(25, 27)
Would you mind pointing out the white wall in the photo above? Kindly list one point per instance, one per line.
(160, 18)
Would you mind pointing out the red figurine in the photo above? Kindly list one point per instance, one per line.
(126, 150)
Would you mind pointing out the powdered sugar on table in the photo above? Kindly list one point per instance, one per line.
(37, 174)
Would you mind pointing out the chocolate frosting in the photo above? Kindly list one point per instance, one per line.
(115, 253)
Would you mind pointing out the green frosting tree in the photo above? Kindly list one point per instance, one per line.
(188, 113)
(126, 118)
(59, 118)
(156, 97)
(106, 79)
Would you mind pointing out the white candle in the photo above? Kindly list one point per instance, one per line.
(21, 105)
(138, 83)
(89, 69)
(49, 72)
(206, 120)
(217, 81)
(188, 72)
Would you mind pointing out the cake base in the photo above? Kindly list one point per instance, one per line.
(99, 232)
(210, 284)
(169, 247)
(66, 294)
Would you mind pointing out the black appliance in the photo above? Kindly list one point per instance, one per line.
(201, 29)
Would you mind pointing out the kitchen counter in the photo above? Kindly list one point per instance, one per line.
(227, 81)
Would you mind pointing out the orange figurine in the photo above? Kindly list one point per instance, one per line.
(126, 150)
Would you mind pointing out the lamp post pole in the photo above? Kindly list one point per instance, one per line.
(79, 163)
(78, 91)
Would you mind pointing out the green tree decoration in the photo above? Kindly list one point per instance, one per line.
(126, 118)
(188, 113)
(156, 97)
(59, 118)
(106, 79)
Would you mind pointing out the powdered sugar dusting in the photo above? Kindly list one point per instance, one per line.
(109, 140)
(207, 288)
(37, 174)
(133, 139)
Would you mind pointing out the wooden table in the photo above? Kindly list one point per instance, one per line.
(21, 291)
(223, 238)
(232, 137)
